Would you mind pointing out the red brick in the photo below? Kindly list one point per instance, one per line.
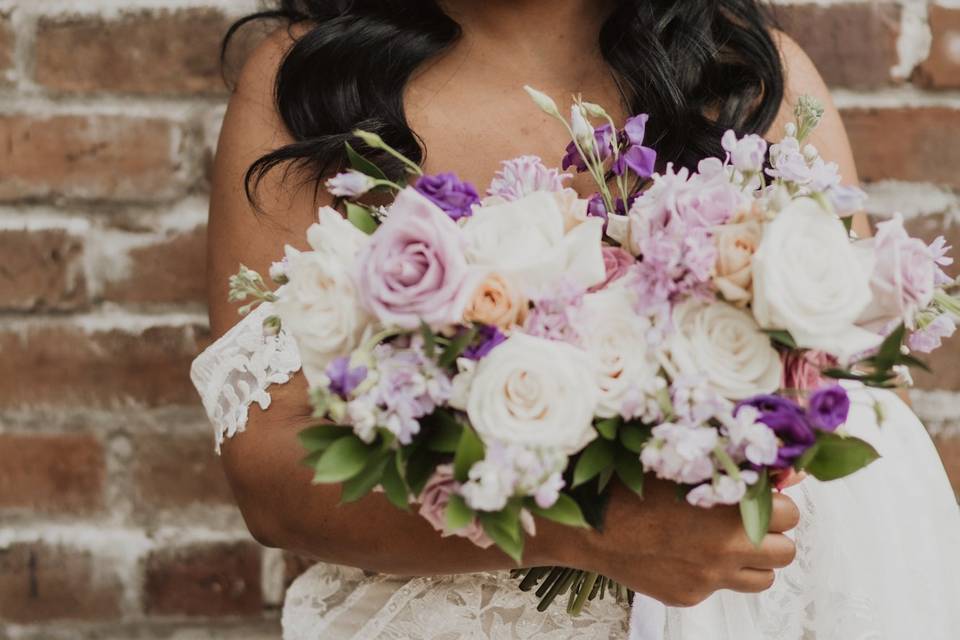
(51, 474)
(853, 45)
(941, 70)
(943, 361)
(171, 271)
(7, 42)
(172, 471)
(916, 145)
(204, 580)
(41, 270)
(88, 157)
(949, 448)
(59, 365)
(145, 52)
(40, 583)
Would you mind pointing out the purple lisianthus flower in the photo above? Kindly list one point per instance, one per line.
(635, 157)
(829, 407)
(489, 337)
(448, 192)
(603, 139)
(343, 379)
(789, 421)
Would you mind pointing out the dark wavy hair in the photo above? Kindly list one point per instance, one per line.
(698, 67)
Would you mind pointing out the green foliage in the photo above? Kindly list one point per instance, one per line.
(363, 165)
(394, 486)
(443, 431)
(320, 437)
(458, 514)
(597, 457)
(457, 346)
(361, 218)
(342, 460)
(608, 428)
(363, 483)
(633, 436)
(469, 451)
(756, 509)
(782, 337)
(504, 529)
(565, 510)
(629, 470)
(834, 456)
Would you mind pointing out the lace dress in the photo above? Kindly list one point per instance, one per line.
(878, 553)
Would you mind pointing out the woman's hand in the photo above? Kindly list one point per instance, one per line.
(679, 554)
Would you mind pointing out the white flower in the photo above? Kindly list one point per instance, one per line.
(510, 470)
(350, 184)
(809, 280)
(746, 154)
(750, 439)
(525, 241)
(536, 393)
(723, 490)
(724, 345)
(616, 336)
(681, 452)
(336, 236)
(488, 488)
(582, 130)
(319, 307)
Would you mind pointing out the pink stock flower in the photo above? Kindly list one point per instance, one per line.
(617, 262)
(433, 505)
(414, 269)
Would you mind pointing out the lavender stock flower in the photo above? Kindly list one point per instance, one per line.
(343, 379)
(829, 407)
(448, 192)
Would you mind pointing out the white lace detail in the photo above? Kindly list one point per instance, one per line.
(237, 369)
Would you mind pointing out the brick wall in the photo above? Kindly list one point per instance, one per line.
(115, 520)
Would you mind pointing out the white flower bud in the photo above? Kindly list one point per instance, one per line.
(791, 130)
(810, 152)
(594, 110)
(582, 131)
(542, 100)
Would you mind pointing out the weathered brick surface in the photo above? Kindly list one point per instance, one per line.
(7, 42)
(88, 157)
(942, 69)
(176, 471)
(150, 53)
(204, 580)
(41, 270)
(63, 473)
(853, 45)
(41, 584)
(68, 367)
(909, 144)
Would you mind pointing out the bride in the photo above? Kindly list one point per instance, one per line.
(873, 556)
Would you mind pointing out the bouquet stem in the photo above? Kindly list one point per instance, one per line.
(580, 587)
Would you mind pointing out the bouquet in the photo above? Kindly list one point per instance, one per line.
(486, 360)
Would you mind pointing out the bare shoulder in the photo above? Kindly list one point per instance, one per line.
(240, 230)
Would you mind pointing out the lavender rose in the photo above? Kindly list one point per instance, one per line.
(449, 193)
(414, 269)
(617, 262)
(829, 407)
(789, 421)
(433, 505)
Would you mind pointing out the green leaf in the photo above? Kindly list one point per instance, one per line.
(322, 436)
(443, 432)
(837, 457)
(756, 508)
(503, 527)
(458, 514)
(429, 340)
(456, 347)
(394, 487)
(361, 218)
(565, 511)
(847, 223)
(420, 465)
(594, 459)
(603, 480)
(634, 436)
(890, 353)
(342, 460)
(630, 471)
(782, 337)
(916, 363)
(593, 503)
(363, 165)
(608, 428)
(469, 451)
(363, 483)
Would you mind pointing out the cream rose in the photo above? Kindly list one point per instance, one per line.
(809, 280)
(320, 308)
(725, 345)
(335, 236)
(534, 393)
(526, 241)
(616, 336)
(496, 302)
(736, 244)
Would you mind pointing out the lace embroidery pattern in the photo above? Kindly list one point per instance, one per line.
(237, 369)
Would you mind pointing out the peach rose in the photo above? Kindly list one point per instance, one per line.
(573, 207)
(736, 244)
(498, 304)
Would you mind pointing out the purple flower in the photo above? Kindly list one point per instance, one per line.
(931, 337)
(635, 157)
(829, 407)
(448, 192)
(343, 379)
(522, 176)
(789, 421)
(489, 338)
(603, 139)
(350, 184)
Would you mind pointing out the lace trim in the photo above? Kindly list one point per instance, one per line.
(237, 369)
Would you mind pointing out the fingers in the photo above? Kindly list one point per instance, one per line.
(751, 580)
(776, 551)
(785, 515)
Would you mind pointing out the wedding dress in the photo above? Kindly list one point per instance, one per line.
(878, 553)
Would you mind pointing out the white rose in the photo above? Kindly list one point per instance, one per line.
(616, 336)
(525, 240)
(809, 280)
(724, 345)
(333, 235)
(534, 392)
(319, 307)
